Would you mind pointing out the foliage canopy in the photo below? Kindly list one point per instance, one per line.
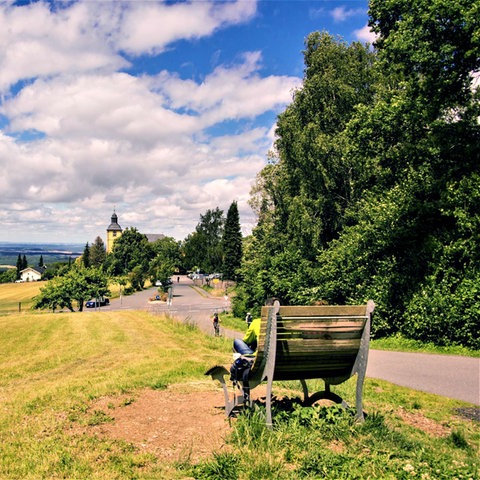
(372, 188)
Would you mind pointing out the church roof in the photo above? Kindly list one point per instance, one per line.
(153, 237)
(114, 225)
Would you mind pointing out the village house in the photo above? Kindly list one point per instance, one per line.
(31, 274)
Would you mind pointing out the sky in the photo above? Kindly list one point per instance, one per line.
(156, 110)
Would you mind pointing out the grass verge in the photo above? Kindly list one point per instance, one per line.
(55, 365)
(401, 344)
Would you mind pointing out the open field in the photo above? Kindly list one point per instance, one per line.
(11, 294)
(122, 395)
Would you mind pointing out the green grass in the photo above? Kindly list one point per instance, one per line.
(55, 365)
(326, 442)
(400, 343)
(232, 323)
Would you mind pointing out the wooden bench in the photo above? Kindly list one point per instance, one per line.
(308, 342)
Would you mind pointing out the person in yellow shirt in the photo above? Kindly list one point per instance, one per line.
(248, 345)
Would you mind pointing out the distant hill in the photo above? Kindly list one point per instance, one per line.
(51, 252)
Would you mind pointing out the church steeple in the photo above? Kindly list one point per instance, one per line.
(114, 231)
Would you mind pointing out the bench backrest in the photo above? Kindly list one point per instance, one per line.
(313, 341)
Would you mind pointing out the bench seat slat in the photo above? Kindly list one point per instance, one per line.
(324, 310)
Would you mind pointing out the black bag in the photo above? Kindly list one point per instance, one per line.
(241, 368)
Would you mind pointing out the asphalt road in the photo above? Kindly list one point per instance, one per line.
(450, 376)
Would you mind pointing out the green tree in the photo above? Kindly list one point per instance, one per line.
(232, 243)
(24, 262)
(19, 266)
(203, 248)
(131, 251)
(86, 256)
(98, 253)
(40, 261)
(166, 260)
(359, 196)
(314, 178)
(8, 276)
(301, 195)
(76, 286)
(406, 246)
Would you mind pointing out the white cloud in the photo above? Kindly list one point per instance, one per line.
(105, 137)
(149, 27)
(341, 14)
(229, 93)
(35, 41)
(365, 35)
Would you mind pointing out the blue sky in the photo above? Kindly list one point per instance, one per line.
(161, 110)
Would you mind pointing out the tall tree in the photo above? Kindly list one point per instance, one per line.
(314, 178)
(203, 248)
(302, 194)
(232, 243)
(167, 258)
(19, 266)
(86, 256)
(98, 253)
(130, 250)
(40, 261)
(24, 262)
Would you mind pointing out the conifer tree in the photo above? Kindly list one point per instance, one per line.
(86, 256)
(98, 253)
(19, 266)
(232, 243)
(40, 262)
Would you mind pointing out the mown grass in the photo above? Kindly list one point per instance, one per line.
(13, 294)
(55, 365)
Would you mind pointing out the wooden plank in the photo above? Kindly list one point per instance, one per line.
(319, 310)
(315, 341)
(316, 325)
(319, 335)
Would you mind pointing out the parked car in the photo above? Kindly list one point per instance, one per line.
(99, 302)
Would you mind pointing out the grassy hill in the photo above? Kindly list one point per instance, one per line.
(56, 367)
(13, 294)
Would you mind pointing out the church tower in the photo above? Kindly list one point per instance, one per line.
(114, 231)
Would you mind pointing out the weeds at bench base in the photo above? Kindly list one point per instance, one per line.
(327, 442)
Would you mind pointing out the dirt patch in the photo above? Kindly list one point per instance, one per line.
(418, 420)
(173, 425)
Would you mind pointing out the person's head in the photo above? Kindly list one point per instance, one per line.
(215, 315)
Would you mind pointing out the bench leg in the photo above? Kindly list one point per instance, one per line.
(305, 391)
(359, 396)
(269, 402)
(218, 373)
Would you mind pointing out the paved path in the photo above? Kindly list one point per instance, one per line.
(449, 376)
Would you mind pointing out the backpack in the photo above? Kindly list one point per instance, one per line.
(241, 368)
